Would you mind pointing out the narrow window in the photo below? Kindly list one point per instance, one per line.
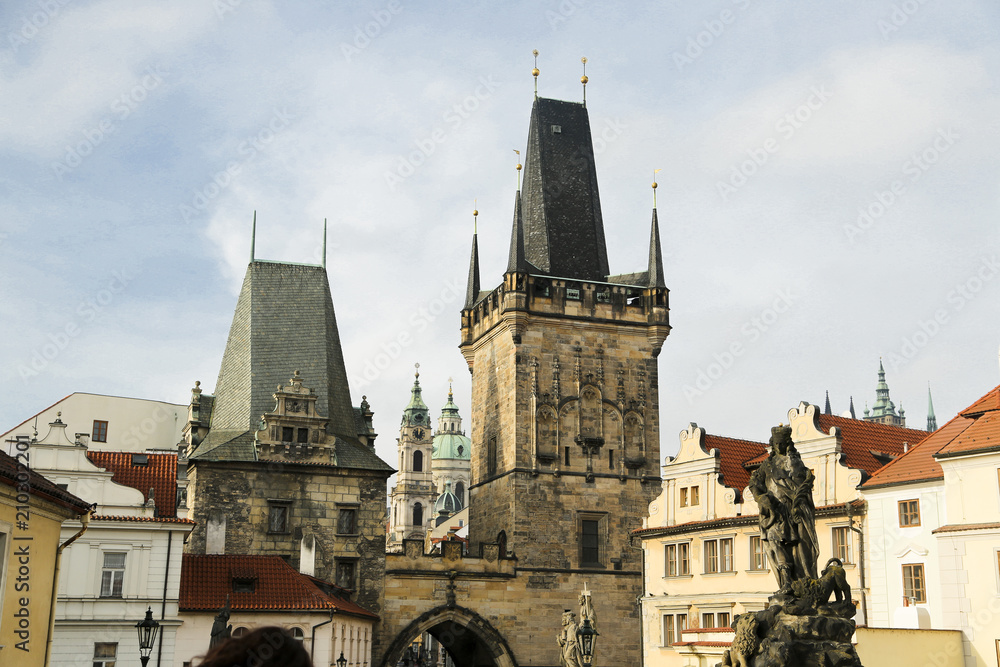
(694, 496)
(460, 492)
(711, 556)
(287, 434)
(684, 497)
(909, 513)
(842, 543)
(726, 555)
(590, 543)
(611, 459)
(670, 560)
(345, 574)
(722, 620)
(277, 518)
(105, 654)
(683, 559)
(112, 575)
(914, 589)
(303, 435)
(418, 514)
(758, 559)
(491, 456)
(100, 435)
(418, 461)
(668, 630)
(347, 521)
(566, 454)
(682, 625)
(708, 620)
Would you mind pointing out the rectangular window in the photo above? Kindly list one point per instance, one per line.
(726, 555)
(277, 518)
(100, 432)
(611, 459)
(722, 619)
(682, 624)
(909, 513)
(287, 433)
(677, 562)
(694, 496)
(684, 497)
(708, 620)
(347, 521)
(758, 558)
(711, 556)
(914, 588)
(668, 636)
(112, 575)
(104, 654)
(590, 548)
(345, 573)
(572, 293)
(566, 453)
(303, 435)
(491, 456)
(842, 543)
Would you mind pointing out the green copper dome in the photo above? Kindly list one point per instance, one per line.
(451, 446)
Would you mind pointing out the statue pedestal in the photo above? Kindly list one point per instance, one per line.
(795, 633)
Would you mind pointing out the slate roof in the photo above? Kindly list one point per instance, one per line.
(206, 581)
(159, 474)
(284, 321)
(560, 202)
(40, 486)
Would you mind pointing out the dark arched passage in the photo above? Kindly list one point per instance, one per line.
(467, 636)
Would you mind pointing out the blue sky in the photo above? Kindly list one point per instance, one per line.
(828, 193)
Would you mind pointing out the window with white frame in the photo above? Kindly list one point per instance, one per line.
(677, 559)
(719, 555)
(758, 557)
(112, 575)
(842, 544)
(105, 654)
(914, 583)
(668, 635)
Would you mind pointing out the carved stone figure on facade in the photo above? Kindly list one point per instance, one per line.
(587, 608)
(221, 630)
(569, 649)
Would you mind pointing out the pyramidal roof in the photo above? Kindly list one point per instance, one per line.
(560, 203)
(284, 322)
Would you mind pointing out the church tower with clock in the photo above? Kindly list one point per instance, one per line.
(412, 498)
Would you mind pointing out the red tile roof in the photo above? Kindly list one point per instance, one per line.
(733, 453)
(861, 439)
(40, 486)
(159, 474)
(206, 581)
(957, 527)
(983, 435)
(918, 464)
(991, 401)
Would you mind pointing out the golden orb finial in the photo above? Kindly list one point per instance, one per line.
(535, 72)
(584, 79)
(655, 172)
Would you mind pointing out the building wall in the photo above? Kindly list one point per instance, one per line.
(134, 424)
(884, 646)
(240, 491)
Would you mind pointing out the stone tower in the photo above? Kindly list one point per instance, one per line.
(884, 410)
(452, 453)
(413, 495)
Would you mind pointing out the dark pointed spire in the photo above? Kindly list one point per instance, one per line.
(472, 290)
(515, 258)
(655, 255)
(323, 264)
(931, 419)
(827, 410)
(253, 235)
(853, 416)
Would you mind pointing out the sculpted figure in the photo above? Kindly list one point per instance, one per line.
(569, 654)
(775, 532)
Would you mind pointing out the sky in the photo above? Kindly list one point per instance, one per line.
(828, 192)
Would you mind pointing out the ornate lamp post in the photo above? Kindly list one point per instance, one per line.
(147, 628)
(585, 634)
(341, 661)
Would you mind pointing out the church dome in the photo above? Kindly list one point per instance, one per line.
(451, 446)
(447, 502)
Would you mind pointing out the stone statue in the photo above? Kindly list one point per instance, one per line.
(569, 653)
(587, 608)
(221, 630)
(800, 626)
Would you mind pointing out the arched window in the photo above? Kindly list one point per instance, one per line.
(418, 461)
(460, 492)
(418, 514)
(239, 631)
(298, 634)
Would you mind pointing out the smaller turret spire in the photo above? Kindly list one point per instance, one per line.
(416, 412)
(827, 410)
(253, 235)
(323, 258)
(655, 270)
(515, 259)
(853, 415)
(931, 419)
(472, 289)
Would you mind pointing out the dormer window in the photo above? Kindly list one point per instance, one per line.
(244, 584)
(140, 460)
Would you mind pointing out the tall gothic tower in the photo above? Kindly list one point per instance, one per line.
(413, 496)
(565, 433)
(884, 410)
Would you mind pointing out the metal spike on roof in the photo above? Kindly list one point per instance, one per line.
(931, 419)
(253, 234)
(827, 410)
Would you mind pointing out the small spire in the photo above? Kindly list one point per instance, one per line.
(535, 72)
(472, 289)
(827, 410)
(584, 79)
(853, 415)
(516, 262)
(931, 419)
(253, 235)
(324, 244)
(655, 267)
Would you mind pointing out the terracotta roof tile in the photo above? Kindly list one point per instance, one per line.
(159, 474)
(40, 485)
(860, 438)
(956, 527)
(991, 401)
(983, 435)
(206, 581)
(918, 464)
(733, 453)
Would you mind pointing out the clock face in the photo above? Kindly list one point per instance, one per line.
(418, 433)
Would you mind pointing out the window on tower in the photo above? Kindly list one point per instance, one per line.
(418, 461)
(491, 456)
(460, 492)
(418, 514)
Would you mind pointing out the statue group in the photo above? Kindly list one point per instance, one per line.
(570, 651)
(800, 625)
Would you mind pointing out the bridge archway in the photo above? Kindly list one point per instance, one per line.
(468, 637)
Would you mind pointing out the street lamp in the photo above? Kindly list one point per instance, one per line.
(147, 628)
(341, 661)
(585, 638)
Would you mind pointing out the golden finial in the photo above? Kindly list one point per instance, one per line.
(518, 168)
(535, 72)
(655, 172)
(584, 79)
(475, 216)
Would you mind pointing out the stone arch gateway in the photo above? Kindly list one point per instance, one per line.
(470, 639)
